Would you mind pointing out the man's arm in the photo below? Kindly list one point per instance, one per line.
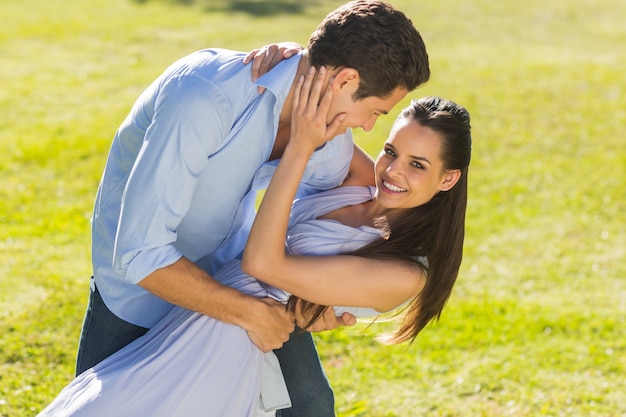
(185, 284)
(158, 193)
(361, 169)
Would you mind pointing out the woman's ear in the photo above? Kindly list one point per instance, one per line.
(449, 179)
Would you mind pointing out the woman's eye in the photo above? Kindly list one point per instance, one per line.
(390, 152)
(417, 165)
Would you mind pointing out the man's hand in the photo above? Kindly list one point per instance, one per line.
(270, 324)
(327, 321)
(268, 56)
(183, 283)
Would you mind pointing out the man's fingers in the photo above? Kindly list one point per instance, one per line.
(273, 327)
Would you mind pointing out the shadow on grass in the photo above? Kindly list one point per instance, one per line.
(251, 7)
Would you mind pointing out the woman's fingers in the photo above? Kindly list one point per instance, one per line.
(336, 125)
(267, 57)
(267, 61)
(315, 90)
(312, 100)
(311, 91)
(320, 99)
(295, 106)
(251, 55)
(305, 91)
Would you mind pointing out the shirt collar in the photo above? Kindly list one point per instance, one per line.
(274, 80)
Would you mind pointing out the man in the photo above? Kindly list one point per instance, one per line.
(177, 196)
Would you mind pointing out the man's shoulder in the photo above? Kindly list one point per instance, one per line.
(210, 73)
(210, 61)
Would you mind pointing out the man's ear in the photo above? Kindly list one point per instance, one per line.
(449, 179)
(346, 77)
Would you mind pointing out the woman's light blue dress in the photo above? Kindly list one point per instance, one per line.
(191, 365)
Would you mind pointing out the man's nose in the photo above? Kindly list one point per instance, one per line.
(369, 125)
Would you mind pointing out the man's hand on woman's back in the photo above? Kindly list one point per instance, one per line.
(268, 323)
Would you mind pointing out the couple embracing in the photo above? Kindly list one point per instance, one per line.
(194, 299)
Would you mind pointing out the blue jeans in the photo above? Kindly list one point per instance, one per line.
(309, 390)
(104, 333)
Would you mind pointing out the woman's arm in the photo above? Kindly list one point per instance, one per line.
(329, 280)
(343, 280)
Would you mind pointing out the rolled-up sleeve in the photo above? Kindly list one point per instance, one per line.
(185, 130)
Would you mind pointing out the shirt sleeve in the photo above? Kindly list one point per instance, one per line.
(189, 124)
(328, 166)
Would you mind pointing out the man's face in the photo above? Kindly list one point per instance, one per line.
(362, 113)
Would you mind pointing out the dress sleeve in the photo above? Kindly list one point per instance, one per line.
(356, 311)
(189, 124)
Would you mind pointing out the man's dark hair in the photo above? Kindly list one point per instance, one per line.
(378, 41)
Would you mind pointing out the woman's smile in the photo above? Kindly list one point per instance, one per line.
(392, 187)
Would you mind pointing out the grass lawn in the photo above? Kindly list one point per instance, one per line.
(537, 322)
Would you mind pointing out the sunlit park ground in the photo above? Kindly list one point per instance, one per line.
(536, 325)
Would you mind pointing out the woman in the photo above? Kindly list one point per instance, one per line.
(401, 243)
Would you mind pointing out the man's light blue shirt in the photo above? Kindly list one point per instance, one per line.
(179, 176)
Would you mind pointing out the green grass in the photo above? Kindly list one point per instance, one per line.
(536, 324)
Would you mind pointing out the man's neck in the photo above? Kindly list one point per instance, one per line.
(285, 114)
(284, 120)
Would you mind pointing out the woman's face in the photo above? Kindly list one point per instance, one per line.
(409, 171)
